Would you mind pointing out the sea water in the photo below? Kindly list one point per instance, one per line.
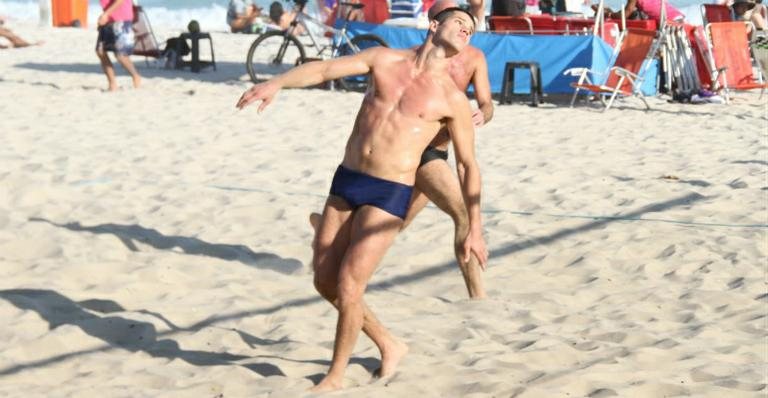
(175, 14)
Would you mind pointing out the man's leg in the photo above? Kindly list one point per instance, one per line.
(418, 203)
(125, 61)
(371, 233)
(438, 183)
(109, 70)
(330, 243)
(15, 40)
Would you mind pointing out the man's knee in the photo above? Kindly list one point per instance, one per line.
(349, 291)
(326, 287)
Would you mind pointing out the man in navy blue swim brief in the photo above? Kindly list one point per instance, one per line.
(411, 96)
(435, 181)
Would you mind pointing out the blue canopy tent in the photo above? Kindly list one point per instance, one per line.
(553, 53)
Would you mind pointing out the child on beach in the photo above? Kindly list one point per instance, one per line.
(115, 26)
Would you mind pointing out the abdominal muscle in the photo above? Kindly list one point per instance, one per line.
(389, 144)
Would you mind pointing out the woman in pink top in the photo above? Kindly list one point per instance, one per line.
(115, 26)
(651, 8)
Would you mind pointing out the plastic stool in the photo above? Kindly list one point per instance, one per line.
(195, 64)
(508, 84)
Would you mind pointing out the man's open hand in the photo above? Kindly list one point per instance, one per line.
(478, 118)
(475, 244)
(264, 92)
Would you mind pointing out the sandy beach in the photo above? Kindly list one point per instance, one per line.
(155, 243)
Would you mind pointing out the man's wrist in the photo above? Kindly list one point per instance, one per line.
(475, 228)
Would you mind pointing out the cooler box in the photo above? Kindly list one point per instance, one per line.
(66, 12)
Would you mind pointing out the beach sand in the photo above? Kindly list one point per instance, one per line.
(155, 242)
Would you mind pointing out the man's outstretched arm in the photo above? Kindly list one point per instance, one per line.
(463, 136)
(310, 74)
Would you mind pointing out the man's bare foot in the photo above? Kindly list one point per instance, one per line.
(314, 220)
(136, 81)
(326, 385)
(478, 295)
(390, 358)
(113, 88)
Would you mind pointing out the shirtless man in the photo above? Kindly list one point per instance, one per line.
(434, 180)
(411, 95)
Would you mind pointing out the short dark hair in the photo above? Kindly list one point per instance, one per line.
(275, 11)
(444, 14)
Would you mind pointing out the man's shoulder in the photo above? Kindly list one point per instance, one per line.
(386, 54)
(473, 54)
(396, 52)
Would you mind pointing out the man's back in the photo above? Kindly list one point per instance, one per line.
(400, 114)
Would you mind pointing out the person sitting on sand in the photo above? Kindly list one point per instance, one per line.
(14, 39)
(279, 17)
(411, 96)
(241, 16)
(115, 26)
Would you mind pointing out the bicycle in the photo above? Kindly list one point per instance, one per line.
(277, 51)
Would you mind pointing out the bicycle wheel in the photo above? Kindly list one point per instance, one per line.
(272, 54)
(362, 42)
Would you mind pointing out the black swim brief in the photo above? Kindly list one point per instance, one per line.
(432, 153)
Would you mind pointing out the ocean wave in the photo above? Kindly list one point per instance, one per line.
(212, 17)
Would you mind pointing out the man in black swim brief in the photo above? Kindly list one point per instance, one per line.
(432, 153)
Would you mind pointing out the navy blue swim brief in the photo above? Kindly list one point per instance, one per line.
(359, 189)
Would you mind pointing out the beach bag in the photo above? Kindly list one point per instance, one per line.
(170, 45)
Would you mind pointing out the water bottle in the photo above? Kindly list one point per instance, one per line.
(45, 12)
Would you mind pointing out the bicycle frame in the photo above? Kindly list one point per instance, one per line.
(339, 35)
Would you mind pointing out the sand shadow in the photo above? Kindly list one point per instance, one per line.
(225, 71)
(116, 331)
(519, 246)
(448, 266)
(760, 162)
(129, 235)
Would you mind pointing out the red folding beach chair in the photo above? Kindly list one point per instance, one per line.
(513, 25)
(544, 24)
(375, 11)
(145, 43)
(731, 61)
(625, 75)
(711, 13)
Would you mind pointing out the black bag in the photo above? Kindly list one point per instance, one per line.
(170, 45)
